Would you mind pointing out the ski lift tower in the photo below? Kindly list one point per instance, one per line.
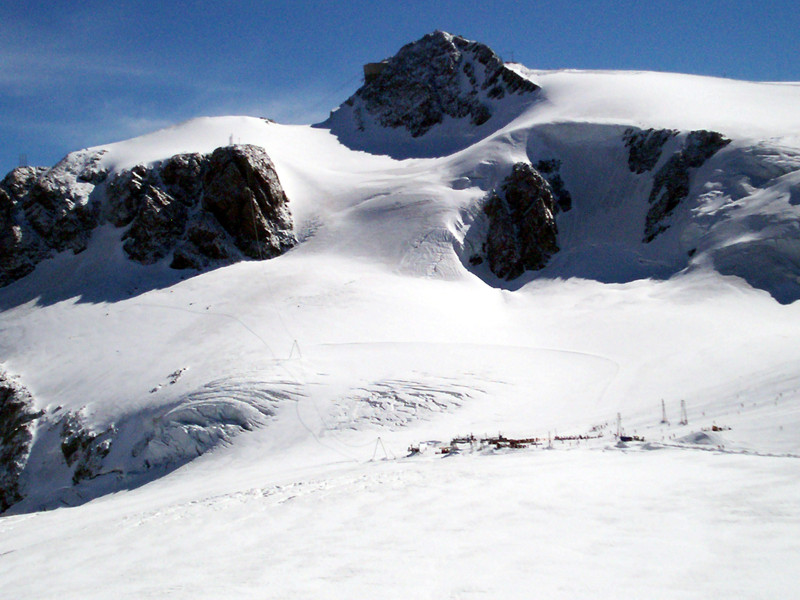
(684, 416)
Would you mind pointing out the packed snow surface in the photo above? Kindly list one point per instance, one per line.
(300, 383)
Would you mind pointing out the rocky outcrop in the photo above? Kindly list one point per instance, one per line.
(156, 218)
(44, 211)
(201, 209)
(17, 416)
(521, 233)
(645, 147)
(241, 189)
(438, 76)
(83, 449)
(671, 182)
(20, 248)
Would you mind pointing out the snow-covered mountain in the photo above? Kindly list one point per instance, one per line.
(465, 246)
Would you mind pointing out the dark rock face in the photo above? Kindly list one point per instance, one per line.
(57, 204)
(44, 211)
(20, 248)
(16, 422)
(241, 189)
(522, 230)
(203, 208)
(645, 146)
(550, 170)
(435, 77)
(671, 182)
(83, 450)
(156, 219)
(203, 243)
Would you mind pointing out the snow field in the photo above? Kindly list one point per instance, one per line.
(371, 336)
(561, 523)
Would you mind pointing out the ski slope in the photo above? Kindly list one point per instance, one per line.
(278, 399)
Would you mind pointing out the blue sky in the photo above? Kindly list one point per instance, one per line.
(78, 74)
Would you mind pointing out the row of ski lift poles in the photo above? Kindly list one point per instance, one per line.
(501, 441)
(664, 421)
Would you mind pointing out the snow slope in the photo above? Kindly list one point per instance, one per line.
(260, 414)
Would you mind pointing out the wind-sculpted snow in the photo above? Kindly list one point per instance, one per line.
(748, 217)
(212, 415)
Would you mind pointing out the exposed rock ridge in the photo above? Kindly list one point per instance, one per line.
(44, 211)
(645, 146)
(672, 181)
(204, 209)
(438, 76)
(522, 230)
(16, 422)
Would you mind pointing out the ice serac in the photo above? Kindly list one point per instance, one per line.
(438, 77)
(521, 230)
(63, 457)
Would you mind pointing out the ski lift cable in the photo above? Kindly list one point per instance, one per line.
(327, 97)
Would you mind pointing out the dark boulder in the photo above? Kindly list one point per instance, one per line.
(159, 222)
(551, 171)
(204, 243)
(44, 211)
(20, 247)
(203, 209)
(57, 207)
(84, 450)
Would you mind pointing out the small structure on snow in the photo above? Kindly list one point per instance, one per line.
(373, 70)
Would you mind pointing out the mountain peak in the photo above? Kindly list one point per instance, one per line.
(440, 75)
